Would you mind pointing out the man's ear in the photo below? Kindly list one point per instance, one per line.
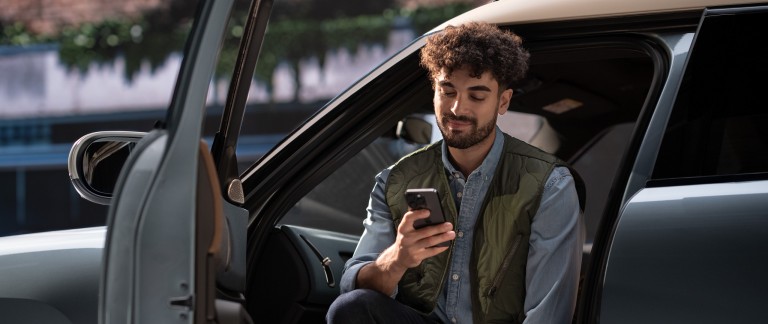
(504, 99)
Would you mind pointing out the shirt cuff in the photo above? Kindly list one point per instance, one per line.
(349, 278)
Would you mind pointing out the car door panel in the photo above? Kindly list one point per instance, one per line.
(302, 276)
(120, 247)
(690, 254)
(162, 235)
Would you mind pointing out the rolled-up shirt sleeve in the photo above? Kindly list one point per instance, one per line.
(379, 234)
(554, 255)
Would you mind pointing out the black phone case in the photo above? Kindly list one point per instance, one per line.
(425, 198)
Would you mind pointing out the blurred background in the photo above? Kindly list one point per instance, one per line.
(71, 67)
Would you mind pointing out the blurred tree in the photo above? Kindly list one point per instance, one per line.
(301, 29)
(328, 9)
(298, 30)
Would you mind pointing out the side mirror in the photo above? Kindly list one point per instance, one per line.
(96, 160)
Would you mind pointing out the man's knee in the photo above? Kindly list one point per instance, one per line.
(356, 306)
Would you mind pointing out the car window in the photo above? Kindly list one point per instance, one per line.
(718, 123)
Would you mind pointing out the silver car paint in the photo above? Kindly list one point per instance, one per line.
(51, 277)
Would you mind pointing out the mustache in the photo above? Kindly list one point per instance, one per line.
(451, 117)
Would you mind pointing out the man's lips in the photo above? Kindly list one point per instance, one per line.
(454, 123)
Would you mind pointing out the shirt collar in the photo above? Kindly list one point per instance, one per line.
(488, 167)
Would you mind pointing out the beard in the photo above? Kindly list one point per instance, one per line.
(459, 140)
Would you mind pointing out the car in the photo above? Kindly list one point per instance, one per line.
(658, 105)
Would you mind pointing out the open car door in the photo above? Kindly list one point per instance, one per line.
(173, 240)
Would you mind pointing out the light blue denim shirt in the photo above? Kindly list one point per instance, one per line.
(554, 251)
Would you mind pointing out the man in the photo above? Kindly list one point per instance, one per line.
(513, 211)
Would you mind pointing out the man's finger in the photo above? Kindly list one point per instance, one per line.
(433, 251)
(431, 241)
(435, 229)
(411, 216)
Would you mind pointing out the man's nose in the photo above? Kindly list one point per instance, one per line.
(457, 106)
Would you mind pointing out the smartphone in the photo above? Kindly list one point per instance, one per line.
(425, 198)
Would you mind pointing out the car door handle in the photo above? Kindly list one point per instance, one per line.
(324, 261)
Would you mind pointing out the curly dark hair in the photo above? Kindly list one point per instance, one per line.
(481, 47)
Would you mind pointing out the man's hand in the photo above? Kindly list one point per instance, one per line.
(411, 247)
(414, 245)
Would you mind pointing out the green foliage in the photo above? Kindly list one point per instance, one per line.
(291, 41)
(424, 19)
(298, 30)
(17, 35)
(295, 39)
(327, 9)
(97, 43)
(101, 43)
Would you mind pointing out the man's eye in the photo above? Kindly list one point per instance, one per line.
(475, 98)
(449, 94)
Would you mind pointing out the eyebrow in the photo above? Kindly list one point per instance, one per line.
(472, 88)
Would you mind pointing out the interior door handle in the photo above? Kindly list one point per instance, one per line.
(324, 261)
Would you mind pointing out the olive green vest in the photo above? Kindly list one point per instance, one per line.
(500, 247)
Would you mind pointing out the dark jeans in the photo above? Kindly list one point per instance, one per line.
(370, 306)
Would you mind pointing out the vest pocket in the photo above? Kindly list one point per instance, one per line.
(413, 276)
(416, 292)
(504, 266)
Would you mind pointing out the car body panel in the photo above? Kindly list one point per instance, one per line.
(51, 277)
(82, 238)
(690, 254)
(510, 12)
(678, 46)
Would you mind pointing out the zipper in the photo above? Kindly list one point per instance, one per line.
(455, 216)
(504, 266)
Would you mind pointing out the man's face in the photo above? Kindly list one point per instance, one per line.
(466, 107)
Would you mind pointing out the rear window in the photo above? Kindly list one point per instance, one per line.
(719, 124)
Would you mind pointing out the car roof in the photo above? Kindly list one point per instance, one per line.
(521, 11)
